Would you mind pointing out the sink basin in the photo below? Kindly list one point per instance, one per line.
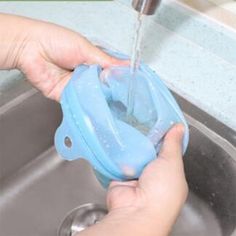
(38, 189)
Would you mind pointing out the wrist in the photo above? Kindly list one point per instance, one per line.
(16, 32)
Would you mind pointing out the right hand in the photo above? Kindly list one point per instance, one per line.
(161, 190)
(149, 206)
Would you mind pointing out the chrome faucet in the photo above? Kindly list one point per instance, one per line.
(146, 7)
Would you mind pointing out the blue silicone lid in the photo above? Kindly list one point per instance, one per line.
(94, 120)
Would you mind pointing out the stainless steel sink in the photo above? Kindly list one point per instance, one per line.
(38, 189)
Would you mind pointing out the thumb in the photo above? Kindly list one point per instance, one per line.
(172, 145)
(94, 55)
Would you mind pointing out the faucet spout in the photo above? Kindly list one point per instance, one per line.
(146, 7)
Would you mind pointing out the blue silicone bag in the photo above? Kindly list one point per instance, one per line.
(94, 105)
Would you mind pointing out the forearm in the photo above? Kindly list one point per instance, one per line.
(139, 223)
(14, 31)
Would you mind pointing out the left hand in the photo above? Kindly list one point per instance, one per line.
(47, 53)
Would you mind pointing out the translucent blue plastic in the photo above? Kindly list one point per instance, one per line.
(94, 107)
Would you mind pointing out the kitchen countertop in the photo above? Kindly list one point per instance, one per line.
(196, 57)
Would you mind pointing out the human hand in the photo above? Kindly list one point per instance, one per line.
(150, 205)
(47, 53)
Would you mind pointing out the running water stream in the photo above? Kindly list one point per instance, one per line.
(135, 61)
(128, 111)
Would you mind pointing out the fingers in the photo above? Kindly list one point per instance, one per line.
(92, 55)
(121, 193)
(169, 161)
(56, 91)
(105, 60)
(165, 175)
(172, 146)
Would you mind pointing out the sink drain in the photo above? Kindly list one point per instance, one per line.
(81, 218)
